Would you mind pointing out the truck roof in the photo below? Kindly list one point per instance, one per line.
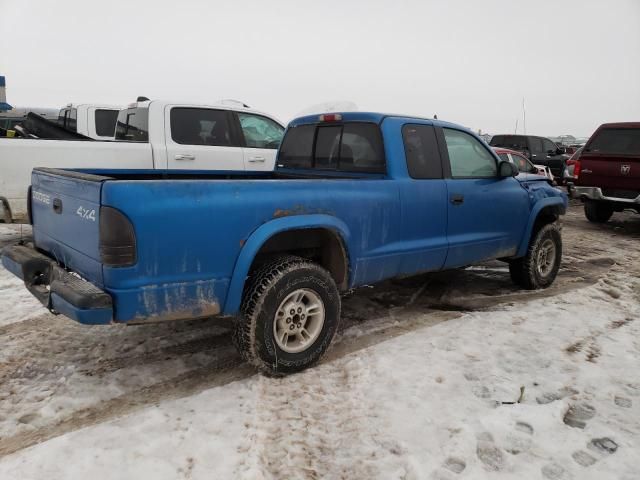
(91, 105)
(221, 106)
(620, 125)
(375, 117)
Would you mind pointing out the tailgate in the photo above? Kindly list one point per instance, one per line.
(611, 160)
(619, 172)
(65, 209)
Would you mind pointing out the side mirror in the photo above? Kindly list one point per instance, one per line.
(507, 169)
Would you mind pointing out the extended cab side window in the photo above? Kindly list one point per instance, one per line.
(259, 131)
(421, 151)
(200, 126)
(468, 157)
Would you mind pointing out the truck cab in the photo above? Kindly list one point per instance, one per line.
(188, 136)
(91, 120)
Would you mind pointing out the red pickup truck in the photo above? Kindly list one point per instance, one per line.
(607, 172)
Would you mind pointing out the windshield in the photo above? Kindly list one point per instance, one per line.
(616, 140)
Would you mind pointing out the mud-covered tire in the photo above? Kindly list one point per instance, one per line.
(266, 289)
(536, 270)
(597, 212)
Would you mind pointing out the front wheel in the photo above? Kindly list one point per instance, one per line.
(539, 267)
(290, 313)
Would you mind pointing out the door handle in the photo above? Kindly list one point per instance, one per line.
(457, 199)
(185, 156)
(257, 159)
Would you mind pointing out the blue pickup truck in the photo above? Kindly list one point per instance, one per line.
(355, 198)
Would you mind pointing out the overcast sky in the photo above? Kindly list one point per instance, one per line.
(575, 62)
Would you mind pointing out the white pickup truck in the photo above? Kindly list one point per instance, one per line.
(153, 134)
(91, 120)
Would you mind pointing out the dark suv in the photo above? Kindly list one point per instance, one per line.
(607, 171)
(540, 150)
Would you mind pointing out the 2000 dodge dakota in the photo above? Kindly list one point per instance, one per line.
(355, 198)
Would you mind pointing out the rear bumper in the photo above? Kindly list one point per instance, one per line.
(57, 289)
(595, 193)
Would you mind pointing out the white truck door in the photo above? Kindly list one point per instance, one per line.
(262, 137)
(200, 138)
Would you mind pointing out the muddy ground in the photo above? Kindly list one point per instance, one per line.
(57, 376)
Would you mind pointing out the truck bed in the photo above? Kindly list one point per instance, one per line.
(189, 233)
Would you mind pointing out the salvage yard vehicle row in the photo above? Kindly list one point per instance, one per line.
(150, 135)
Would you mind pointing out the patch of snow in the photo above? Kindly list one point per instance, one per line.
(17, 303)
(427, 404)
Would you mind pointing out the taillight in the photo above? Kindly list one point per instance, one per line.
(330, 117)
(117, 239)
(576, 168)
(575, 161)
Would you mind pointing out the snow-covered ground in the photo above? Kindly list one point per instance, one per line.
(421, 383)
(16, 303)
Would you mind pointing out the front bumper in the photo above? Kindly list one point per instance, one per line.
(595, 193)
(57, 289)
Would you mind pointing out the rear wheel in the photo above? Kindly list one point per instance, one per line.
(539, 267)
(290, 313)
(597, 212)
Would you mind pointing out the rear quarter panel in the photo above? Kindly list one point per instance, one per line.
(190, 233)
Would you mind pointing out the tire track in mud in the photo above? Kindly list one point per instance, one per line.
(228, 367)
(317, 424)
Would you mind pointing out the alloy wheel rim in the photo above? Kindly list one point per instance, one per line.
(298, 320)
(546, 258)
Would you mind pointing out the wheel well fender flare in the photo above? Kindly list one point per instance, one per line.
(555, 204)
(263, 233)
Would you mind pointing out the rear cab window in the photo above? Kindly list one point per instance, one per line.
(133, 125)
(617, 141)
(353, 147)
